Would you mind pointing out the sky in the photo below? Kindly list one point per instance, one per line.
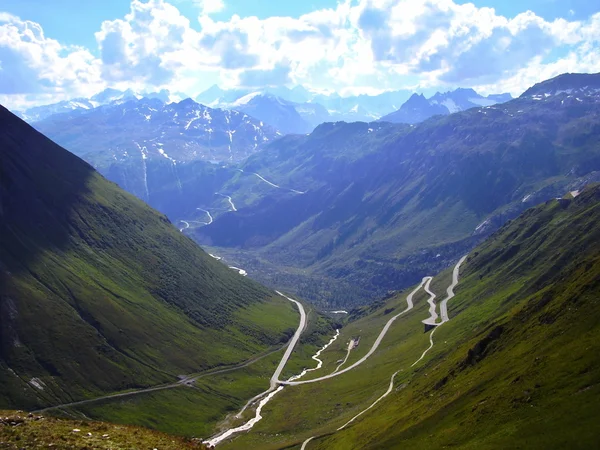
(62, 49)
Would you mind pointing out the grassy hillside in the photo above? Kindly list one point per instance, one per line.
(515, 367)
(100, 293)
(21, 430)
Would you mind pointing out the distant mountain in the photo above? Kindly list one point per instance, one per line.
(313, 113)
(500, 98)
(38, 113)
(157, 151)
(393, 106)
(363, 108)
(359, 209)
(100, 293)
(280, 114)
(105, 97)
(418, 108)
(215, 96)
(177, 132)
(568, 83)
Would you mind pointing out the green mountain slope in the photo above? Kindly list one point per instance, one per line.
(526, 374)
(385, 205)
(515, 367)
(100, 293)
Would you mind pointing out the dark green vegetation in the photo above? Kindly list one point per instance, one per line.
(214, 397)
(21, 430)
(99, 293)
(525, 373)
(515, 367)
(387, 204)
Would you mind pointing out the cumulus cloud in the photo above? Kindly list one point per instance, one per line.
(32, 63)
(357, 45)
(210, 6)
(378, 42)
(146, 46)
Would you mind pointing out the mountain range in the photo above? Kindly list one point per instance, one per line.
(456, 262)
(295, 110)
(360, 209)
(106, 97)
(417, 108)
(147, 146)
(268, 105)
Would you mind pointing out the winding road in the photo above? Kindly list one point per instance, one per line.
(270, 183)
(242, 272)
(445, 318)
(184, 381)
(450, 290)
(233, 208)
(433, 316)
(274, 387)
(387, 326)
(210, 218)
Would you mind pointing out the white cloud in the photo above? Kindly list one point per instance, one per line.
(359, 45)
(146, 46)
(7, 17)
(32, 63)
(210, 6)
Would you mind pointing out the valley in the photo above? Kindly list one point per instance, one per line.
(424, 284)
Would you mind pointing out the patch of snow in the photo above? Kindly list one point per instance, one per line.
(482, 224)
(196, 117)
(245, 99)
(79, 105)
(452, 107)
(37, 383)
(162, 152)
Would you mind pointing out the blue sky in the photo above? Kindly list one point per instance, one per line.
(53, 15)
(58, 49)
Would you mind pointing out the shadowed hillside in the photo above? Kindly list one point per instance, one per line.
(100, 293)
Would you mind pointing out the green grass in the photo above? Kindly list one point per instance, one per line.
(208, 406)
(99, 293)
(516, 366)
(19, 430)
